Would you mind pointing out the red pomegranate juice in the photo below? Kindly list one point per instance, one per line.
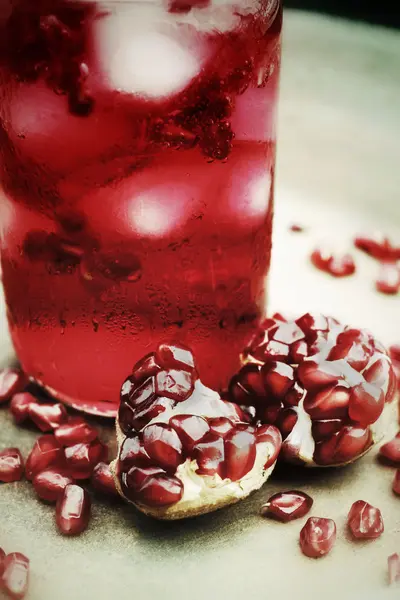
(137, 162)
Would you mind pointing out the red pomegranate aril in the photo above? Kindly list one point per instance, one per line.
(366, 403)
(19, 406)
(160, 490)
(286, 421)
(163, 445)
(251, 379)
(376, 245)
(394, 568)
(329, 403)
(132, 454)
(391, 451)
(210, 455)
(321, 258)
(314, 322)
(365, 521)
(12, 381)
(388, 280)
(355, 354)
(145, 393)
(396, 483)
(76, 430)
(80, 459)
(103, 480)
(298, 351)
(288, 333)
(135, 477)
(271, 435)
(317, 342)
(143, 369)
(73, 510)
(344, 446)
(315, 375)
(46, 452)
(144, 414)
(270, 413)
(126, 418)
(11, 465)
(294, 395)
(324, 429)
(15, 577)
(240, 454)
(220, 426)
(47, 417)
(342, 266)
(175, 384)
(394, 352)
(278, 378)
(378, 373)
(190, 429)
(276, 351)
(173, 356)
(287, 506)
(317, 537)
(50, 484)
(296, 228)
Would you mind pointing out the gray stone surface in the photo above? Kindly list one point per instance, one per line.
(338, 172)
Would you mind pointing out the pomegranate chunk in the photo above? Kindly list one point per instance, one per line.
(394, 568)
(163, 445)
(103, 480)
(73, 510)
(396, 483)
(46, 452)
(50, 484)
(75, 431)
(15, 577)
(240, 454)
(47, 417)
(287, 506)
(81, 458)
(317, 537)
(391, 451)
(11, 465)
(365, 521)
(12, 381)
(388, 280)
(19, 406)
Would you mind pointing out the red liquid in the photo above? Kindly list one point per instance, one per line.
(129, 220)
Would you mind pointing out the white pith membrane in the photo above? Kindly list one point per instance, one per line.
(202, 493)
(300, 438)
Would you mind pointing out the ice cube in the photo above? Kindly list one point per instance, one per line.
(144, 53)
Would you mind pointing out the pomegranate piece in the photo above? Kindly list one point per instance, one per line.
(317, 537)
(19, 406)
(393, 568)
(396, 483)
(378, 246)
(47, 417)
(73, 510)
(240, 453)
(82, 458)
(191, 429)
(287, 506)
(103, 480)
(46, 452)
(11, 465)
(160, 490)
(390, 451)
(336, 265)
(388, 280)
(365, 521)
(15, 577)
(50, 484)
(12, 381)
(76, 430)
(210, 455)
(162, 444)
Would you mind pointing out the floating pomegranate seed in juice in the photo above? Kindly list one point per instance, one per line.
(137, 161)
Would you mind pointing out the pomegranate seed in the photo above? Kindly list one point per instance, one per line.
(12, 381)
(220, 426)
(138, 395)
(73, 510)
(49, 484)
(394, 352)
(163, 445)
(378, 373)
(175, 357)
(391, 451)
(132, 454)
(82, 458)
(240, 454)
(47, 416)
(286, 421)
(396, 483)
(366, 404)
(75, 431)
(378, 246)
(344, 446)
(296, 228)
(146, 367)
(294, 395)
(270, 413)
(160, 490)
(388, 280)
(278, 378)
(325, 428)
(365, 521)
(210, 455)
(317, 342)
(15, 577)
(312, 322)
(11, 465)
(338, 266)
(103, 480)
(288, 333)
(329, 403)
(126, 418)
(2, 557)
(394, 568)
(174, 384)
(46, 452)
(272, 436)
(134, 479)
(190, 428)
(247, 385)
(355, 354)
(315, 375)
(321, 259)
(287, 506)
(19, 406)
(317, 537)
(298, 351)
